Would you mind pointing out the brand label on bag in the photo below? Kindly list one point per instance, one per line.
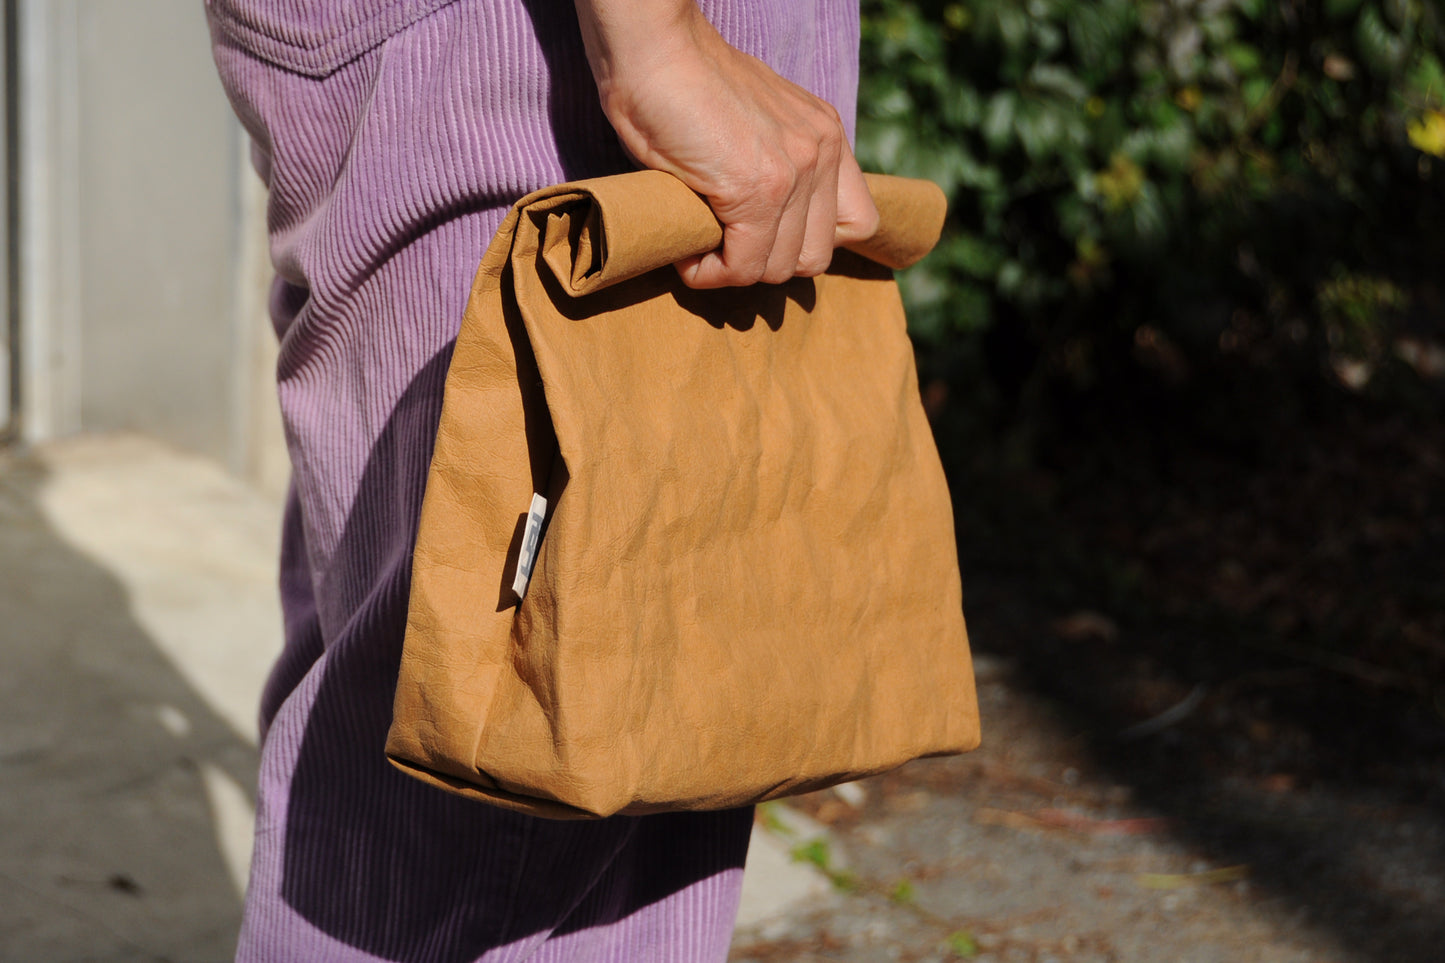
(531, 537)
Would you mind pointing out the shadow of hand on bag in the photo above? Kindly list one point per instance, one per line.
(736, 308)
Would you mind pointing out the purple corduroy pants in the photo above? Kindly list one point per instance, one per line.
(393, 135)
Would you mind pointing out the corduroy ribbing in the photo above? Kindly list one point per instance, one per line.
(393, 135)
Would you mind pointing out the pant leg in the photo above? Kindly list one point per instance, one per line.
(670, 896)
(388, 172)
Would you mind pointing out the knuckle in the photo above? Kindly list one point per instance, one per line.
(746, 273)
(776, 180)
(775, 193)
(832, 131)
(803, 152)
(814, 264)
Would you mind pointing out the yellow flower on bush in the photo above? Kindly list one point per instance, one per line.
(1428, 133)
(1120, 183)
(1189, 98)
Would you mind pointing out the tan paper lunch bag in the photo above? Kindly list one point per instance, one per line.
(745, 582)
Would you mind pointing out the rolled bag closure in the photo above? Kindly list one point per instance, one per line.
(668, 222)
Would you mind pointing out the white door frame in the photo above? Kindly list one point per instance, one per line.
(9, 314)
(48, 217)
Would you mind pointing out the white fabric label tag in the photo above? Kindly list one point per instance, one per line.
(531, 536)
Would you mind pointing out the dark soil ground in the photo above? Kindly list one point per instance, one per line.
(1213, 689)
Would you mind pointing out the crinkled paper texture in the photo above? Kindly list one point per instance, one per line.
(748, 583)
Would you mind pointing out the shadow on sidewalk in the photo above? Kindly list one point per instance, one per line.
(1302, 736)
(108, 839)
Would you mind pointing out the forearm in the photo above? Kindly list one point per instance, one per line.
(620, 33)
(634, 43)
(771, 158)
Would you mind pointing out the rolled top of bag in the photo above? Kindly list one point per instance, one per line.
(667, 222)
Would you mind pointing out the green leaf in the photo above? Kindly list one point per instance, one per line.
(1426, 81)
(1011, 278)
(1245, 59)
(1380, 47)
(1054, 79)
(893, 102)
(998, 119)
(1341, 9)
(960, 106)
(1013, 26)
(1255, 9)
(1150, 223)
(923, 287)
(1040, 129)
(973, 254)
(1255, 90)
(902, 892)
(815, 851)
(1098, 31)
(962, 944)
(883, 144)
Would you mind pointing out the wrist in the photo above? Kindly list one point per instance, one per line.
(631, 42)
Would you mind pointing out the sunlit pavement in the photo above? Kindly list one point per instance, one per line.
(138, 618)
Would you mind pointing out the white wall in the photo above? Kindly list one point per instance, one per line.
(142, 272)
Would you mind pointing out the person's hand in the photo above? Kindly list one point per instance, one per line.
(771, 159)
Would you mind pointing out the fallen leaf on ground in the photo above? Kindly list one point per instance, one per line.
(1078, 823)
(1002, 817)
(1062, 819)
(830, 811)
(909, 802)
(1210, 877)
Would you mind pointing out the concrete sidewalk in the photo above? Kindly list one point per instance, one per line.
(138, 618)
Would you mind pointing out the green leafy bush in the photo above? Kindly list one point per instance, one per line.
(1162, 183)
